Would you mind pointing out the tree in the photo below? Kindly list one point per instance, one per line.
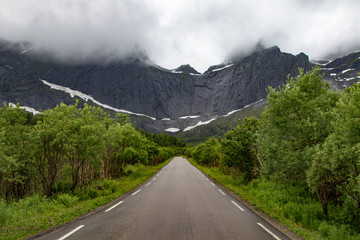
(336, 168)
(125, 145)
(240, 148)
(15, 172)
(81, 134)
(208, 153)
(48, 147)
(295, 121)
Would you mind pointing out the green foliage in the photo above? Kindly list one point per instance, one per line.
(63, 186)
(3, 212)
(163, 139)
(208, 153)
(15, 172)
(122, 118)
(240, 149)
(336, 169)
(295, 121)
(67, 200)
(110, 185)
(71, 145)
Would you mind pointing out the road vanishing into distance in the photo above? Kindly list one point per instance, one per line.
(179, 202)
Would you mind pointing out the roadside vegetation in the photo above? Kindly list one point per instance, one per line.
(65, 162)
(301, 162)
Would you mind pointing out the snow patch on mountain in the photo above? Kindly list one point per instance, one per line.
(234, 111)
(172, 130)
(214, 118)
(347, 70)
(86, 97)
(199, 124)
(219, 69)
(185, 117)
(27, 50)
(28, 109)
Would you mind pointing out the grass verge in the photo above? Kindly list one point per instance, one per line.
(289, 205)
(37, 213)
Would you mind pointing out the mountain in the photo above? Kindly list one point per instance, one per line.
(342, 72)
(186, 69)
(158, 99)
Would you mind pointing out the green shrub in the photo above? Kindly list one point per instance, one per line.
(324, 229)
(82, 194)
(134, 170)
(36, 203)
(293, 211)
(332, 232)
(3, 212)
(67, 200)
(312, 215)
(339, 233)
(128, 170)
(62, 187)
(93, 193)
(110, 185)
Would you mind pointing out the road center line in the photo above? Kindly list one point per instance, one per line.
(268, 231)
(73, 231)
(222, 192)
(114, 206)
(212, 184)
(237, 206)
(148, 184)
(136, 192)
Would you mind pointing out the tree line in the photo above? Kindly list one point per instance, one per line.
(308, 136)
(71, 145)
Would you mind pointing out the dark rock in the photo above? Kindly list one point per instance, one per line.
(186, 69)
(140, 86)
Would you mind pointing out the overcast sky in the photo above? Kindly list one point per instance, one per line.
(175, 32)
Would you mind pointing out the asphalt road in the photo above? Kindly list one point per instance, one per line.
(179, 202)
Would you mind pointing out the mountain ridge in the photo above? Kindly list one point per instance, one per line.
(140, 86)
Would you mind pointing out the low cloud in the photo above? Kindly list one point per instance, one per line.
(198, 32)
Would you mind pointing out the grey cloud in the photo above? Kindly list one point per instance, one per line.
(199, 32)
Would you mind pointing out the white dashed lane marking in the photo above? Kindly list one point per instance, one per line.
(136, 192)
(114, 206)
(237, 205)
(221, 192)
(268, 231)
(72, 232)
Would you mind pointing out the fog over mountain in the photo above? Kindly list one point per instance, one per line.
(200, 33)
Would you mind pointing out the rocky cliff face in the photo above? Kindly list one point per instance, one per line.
(139, 86)
(342, 72)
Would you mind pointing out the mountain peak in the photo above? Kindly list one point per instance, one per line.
(187, 69)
